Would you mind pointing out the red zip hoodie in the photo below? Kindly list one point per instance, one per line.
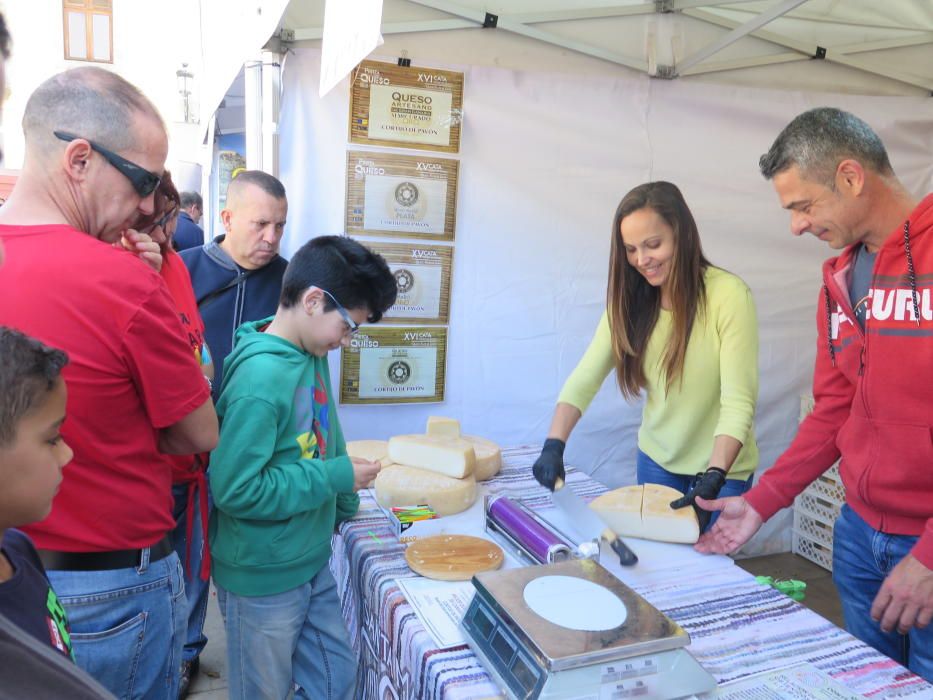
(874, 393)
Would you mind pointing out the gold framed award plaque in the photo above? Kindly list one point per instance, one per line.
(409, 107)
(401, 364)
(389, 194)
(422, 274)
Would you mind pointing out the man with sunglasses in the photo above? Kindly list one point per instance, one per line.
(95, 152)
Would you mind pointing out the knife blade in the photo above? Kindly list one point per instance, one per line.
(587, 523)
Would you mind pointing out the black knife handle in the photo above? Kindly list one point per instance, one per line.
(626, 556)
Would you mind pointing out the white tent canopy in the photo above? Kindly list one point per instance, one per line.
(778, 43)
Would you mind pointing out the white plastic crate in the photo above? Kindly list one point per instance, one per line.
(816, 510)
(813, 529)
(813, 551)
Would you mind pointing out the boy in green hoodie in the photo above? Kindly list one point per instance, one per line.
(282, 480)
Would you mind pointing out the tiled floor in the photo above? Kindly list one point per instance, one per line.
(821, 597)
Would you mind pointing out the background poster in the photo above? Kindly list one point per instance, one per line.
(394, 365)
(422, 274)
(400, 195)
(412, 107)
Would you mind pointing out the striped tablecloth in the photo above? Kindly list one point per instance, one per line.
(737, 627)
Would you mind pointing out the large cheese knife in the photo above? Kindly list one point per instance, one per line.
(587, 523)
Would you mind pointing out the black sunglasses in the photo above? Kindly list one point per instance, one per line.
(143, 181)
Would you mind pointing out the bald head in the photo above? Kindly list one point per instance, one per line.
(239, 189)
(92, 102)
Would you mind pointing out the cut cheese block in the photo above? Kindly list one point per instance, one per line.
(488, 457)
(373, 450)
(621, 510)
(645, 512)
(446, 427)
(399, 485)
(448, 456)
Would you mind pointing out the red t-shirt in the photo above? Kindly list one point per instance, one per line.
(131, 373)
(176, 278)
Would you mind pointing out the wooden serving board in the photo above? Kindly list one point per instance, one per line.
(453, 557)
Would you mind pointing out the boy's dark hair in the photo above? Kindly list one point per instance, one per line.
(28, 369)
(356, 276)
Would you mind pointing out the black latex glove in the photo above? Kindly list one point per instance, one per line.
(550, 464)
(708, 485)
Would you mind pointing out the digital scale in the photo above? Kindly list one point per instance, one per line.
(573, 631)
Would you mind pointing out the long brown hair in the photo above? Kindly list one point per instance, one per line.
(634, 305)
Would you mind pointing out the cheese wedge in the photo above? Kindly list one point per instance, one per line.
(448, 456)
(488, 457)
(445, 427)
(373, 450)
(399, 485)
(645, 512)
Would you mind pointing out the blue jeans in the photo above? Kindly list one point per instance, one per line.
(862, 558)
(127, 625)
(293, 638)
(647, 471)
(197, 591)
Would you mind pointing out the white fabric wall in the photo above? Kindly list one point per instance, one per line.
(545, 159)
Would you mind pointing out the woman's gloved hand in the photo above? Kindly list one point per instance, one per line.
(708, 485)
(550, 464)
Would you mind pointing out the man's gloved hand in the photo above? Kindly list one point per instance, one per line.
(550, 464)
(708, 486)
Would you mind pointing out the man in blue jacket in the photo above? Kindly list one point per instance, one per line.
(237, 277)
(187, 232)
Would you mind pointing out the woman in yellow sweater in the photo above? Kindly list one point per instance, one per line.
(683, 332)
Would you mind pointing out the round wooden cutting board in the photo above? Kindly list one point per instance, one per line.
(453, 557)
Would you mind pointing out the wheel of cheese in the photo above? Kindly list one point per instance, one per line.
(645, 512)
(400, 485)
(373, 450)
(445, 455)
(488, 457)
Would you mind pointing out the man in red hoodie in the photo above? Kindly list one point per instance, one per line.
(874, 371)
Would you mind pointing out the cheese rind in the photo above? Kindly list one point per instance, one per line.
(452, 457)
(373, 450)
(399, 485)
(645, 512)
(488, 457)
(446, 427)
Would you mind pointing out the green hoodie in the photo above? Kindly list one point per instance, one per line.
(280, 476)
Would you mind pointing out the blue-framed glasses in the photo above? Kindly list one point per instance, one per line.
(143, 181)
(352, 326)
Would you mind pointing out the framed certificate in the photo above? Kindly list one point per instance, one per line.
(394, 365)
(422, 274)
(389, 194)
(407, 107)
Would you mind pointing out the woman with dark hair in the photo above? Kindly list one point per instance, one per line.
(685, 333)
(189, 482)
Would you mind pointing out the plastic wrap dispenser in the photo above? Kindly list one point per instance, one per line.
(531, 537)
